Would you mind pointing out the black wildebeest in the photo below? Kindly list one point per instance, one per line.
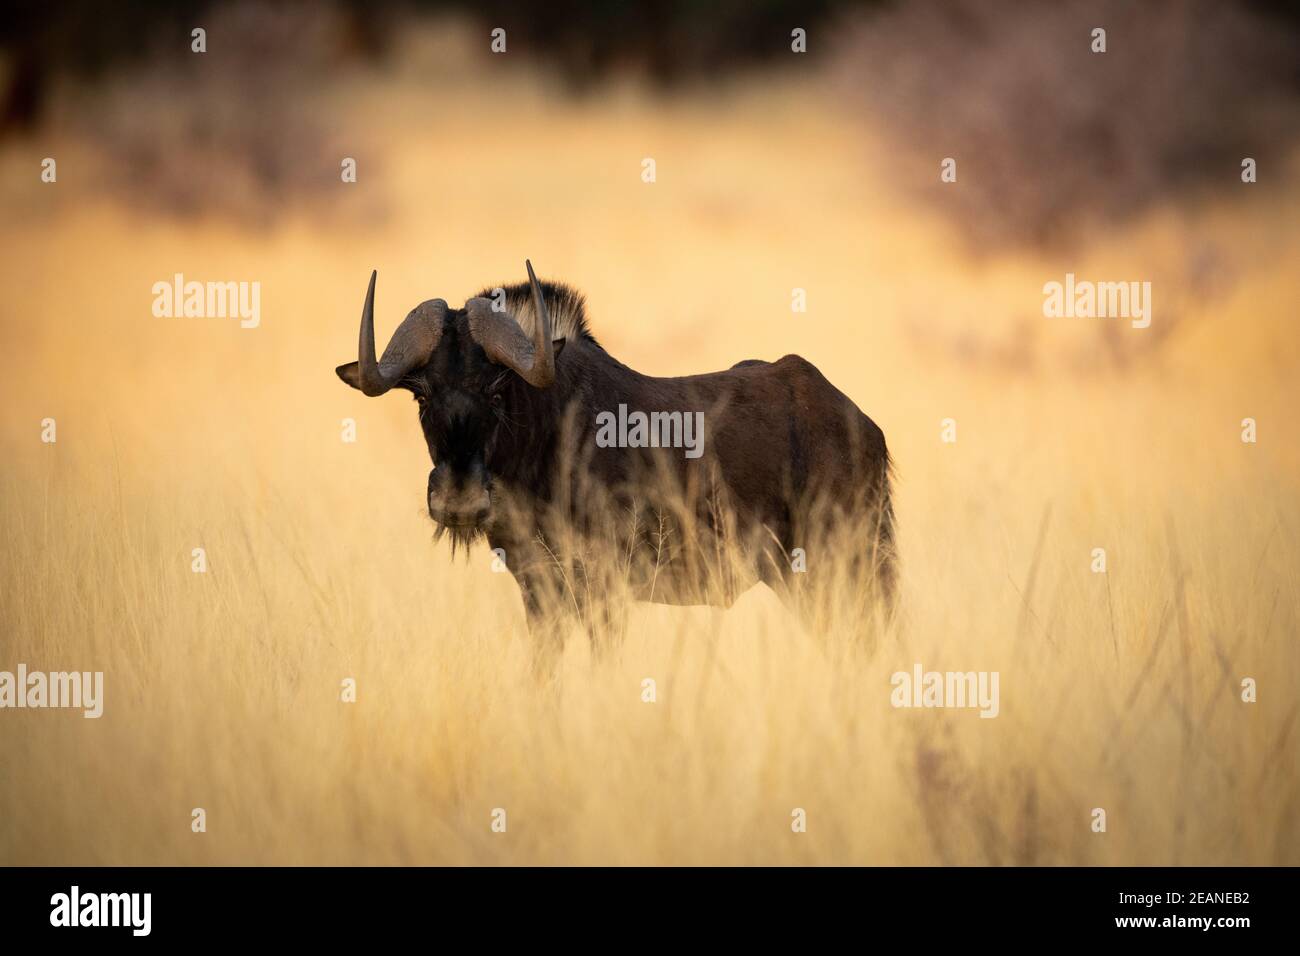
(510, 390)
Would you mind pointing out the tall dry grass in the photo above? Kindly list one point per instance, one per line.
(1118, 691)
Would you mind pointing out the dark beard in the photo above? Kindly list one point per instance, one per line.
(463, 537)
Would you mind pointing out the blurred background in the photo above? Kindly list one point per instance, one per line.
(1059, 149)
(775, 171)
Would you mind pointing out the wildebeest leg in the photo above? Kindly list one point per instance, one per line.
(775, 572)
(546, 630)
(835, 585)
(877, 562)
(605, 620)
(865, 606)
(597, 602)
(781, 567)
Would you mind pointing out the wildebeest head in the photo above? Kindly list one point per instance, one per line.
(460, 364)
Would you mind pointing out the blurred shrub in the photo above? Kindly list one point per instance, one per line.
(43, 43)
(1050, 138)
(238, 129)
(669, 41)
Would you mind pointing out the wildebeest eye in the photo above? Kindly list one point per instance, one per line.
(495, 400)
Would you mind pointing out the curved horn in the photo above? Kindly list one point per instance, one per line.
(505, 343)
(544, 352)
(410, 347)
(372, 383)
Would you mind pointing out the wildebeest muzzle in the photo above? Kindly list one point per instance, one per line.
(459, 501)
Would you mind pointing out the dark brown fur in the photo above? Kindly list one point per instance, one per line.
(786, 459)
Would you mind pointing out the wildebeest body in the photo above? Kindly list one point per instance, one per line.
(509, 403)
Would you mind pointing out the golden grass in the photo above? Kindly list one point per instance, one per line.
(222, 689)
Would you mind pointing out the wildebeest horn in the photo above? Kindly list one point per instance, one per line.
(410, 346)
(504, 340)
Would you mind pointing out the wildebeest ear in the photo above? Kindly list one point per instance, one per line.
(558, 345)
(350, 373)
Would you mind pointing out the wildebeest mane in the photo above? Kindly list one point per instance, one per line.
(567, 306)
